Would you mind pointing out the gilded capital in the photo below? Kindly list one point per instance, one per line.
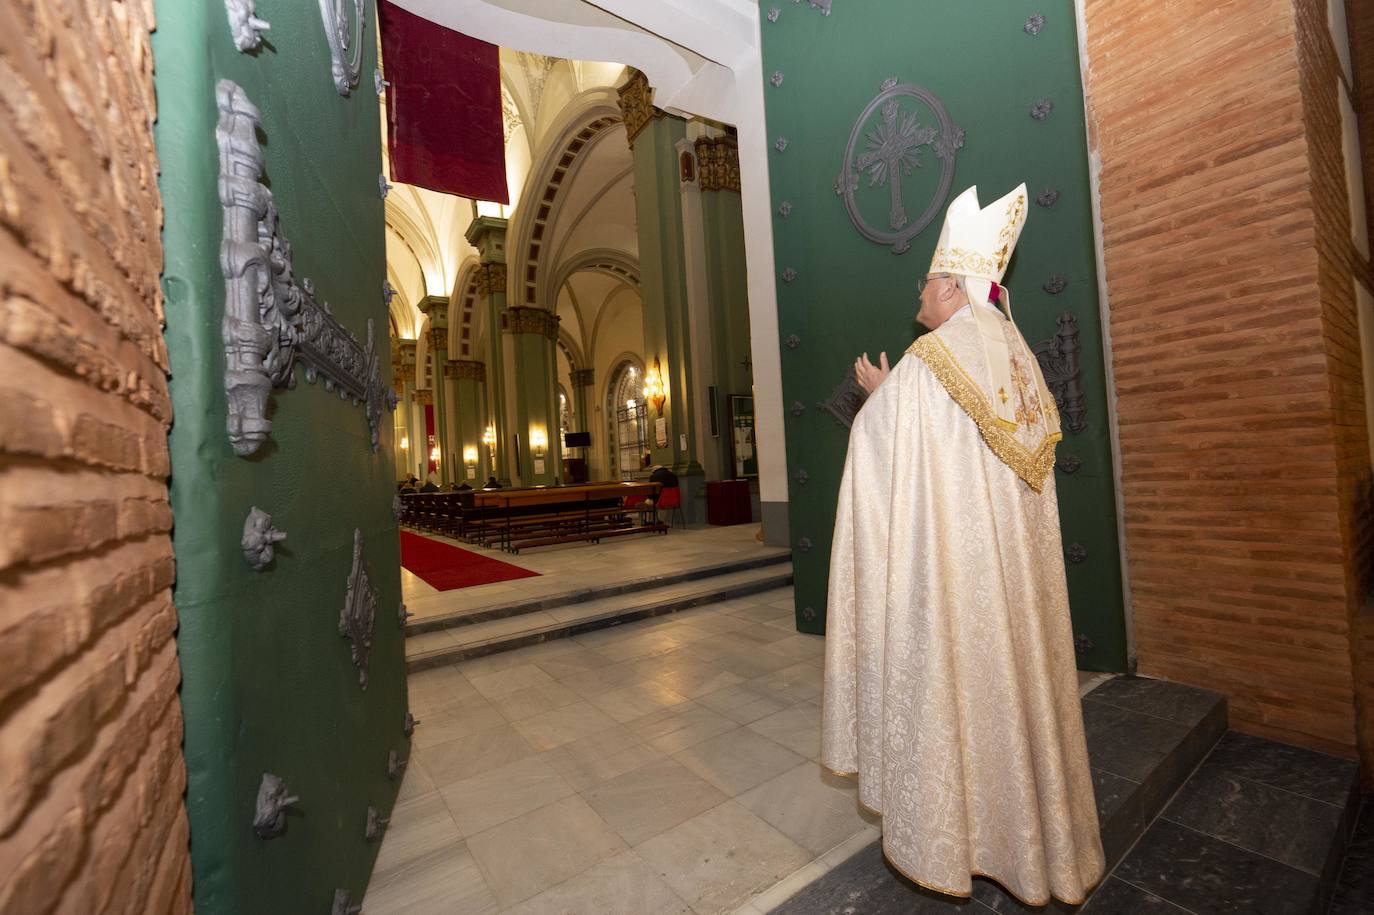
(637, 104)
(522, 320)
(465, 369)
(490, 279)
(424, 396)
(438, 338)
(582, 378)
(718, 163)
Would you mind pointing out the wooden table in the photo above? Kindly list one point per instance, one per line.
(566, 503)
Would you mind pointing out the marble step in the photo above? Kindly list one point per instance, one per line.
(496, 611)
(1145, 738)
(1258, 827)
(454, 644)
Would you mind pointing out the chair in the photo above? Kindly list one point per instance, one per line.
(670, 497)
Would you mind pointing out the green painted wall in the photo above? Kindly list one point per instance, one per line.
(268, 683)
(727, 282)
(853, 295)
(663, 288)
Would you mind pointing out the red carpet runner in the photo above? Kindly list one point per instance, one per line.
(447, 567)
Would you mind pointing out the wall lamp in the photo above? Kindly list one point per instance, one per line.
(654, 390)
(539, 440)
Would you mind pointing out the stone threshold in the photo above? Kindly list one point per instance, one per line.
(634, 607)
(583, 595)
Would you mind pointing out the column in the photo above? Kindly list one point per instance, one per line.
(488, 235)
(532, 333)
(405, 387)
(582, 381)
(727, 280)
(466, 378)
(653, 135)
(435, 307)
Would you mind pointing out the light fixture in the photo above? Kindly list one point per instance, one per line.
(470, 455)
(654, 390)
(434, 454)
(539, 440)
(489, 437)
(405, 443)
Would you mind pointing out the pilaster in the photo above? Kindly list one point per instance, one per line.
(467, 378)
(435, 307)
(488, 235)
(663, 270)
(533, 333)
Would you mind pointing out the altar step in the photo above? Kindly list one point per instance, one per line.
(462, 636)
(1194, 818)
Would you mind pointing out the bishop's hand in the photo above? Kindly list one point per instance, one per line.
(869, 375)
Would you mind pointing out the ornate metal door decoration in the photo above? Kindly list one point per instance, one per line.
(345, 52)
(845, 399)
(259, 539)
(359, 610)
(1058, 358)
(269, 317)
(891, 151)
(269, 815)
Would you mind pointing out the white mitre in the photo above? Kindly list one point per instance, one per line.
(976, 244)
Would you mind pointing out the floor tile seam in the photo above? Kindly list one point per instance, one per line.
(1250, 851)
(1091, 697)
(1280, 788)
(1115, 875)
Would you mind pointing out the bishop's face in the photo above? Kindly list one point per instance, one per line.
(937, 291)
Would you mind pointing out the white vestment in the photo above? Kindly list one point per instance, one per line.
(950, 676)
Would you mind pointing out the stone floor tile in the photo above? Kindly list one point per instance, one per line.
(441, 881)
(463, 719)
(591, 760)
(642, 803)
(472, 755)
(510, 680)
(738, 760)
(623, 885)
(526, 703)
(797, 728)
(531, 853)
(572, 722)
(636, 700)
(718, 859)
(680, 727)
(501, 794)
(742, 703)
(811, 806)
(419, 826)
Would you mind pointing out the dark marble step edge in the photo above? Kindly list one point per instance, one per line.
(1124, 826)
(442, 656)
(582, 595)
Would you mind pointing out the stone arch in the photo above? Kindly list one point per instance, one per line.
(464, 313)
(615, 264)
(571, 351)
(587, 120)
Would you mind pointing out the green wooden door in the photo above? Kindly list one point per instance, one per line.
(265, 223)
(887, 109)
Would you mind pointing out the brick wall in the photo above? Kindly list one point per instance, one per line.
(1236, 353)
(91, 773)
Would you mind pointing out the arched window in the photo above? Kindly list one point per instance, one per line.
(631, 429)
(564, 414)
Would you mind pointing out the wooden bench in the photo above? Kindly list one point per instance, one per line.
(544, 516)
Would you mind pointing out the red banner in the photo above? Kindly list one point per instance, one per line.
(443, 108)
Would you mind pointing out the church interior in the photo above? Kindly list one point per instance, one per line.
(425, 422)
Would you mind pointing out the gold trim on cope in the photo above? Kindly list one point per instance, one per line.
(1031, 466)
